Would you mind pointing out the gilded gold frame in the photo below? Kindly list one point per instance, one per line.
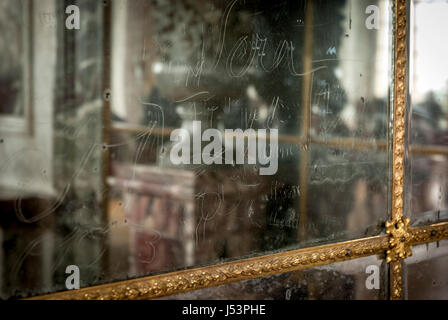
(396, 244)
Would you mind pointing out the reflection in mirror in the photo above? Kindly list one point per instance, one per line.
(360, 279)
(15, 66)
(426, 277)
(11, 53)
(427, 163)
(229, 129)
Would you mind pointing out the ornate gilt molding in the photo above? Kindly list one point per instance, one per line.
(397, 228)
(431, 233)
(399, 110)
(399, 240)
(198, 278)
(396, 282)
(414, 236)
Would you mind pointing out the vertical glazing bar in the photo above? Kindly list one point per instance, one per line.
(396, 282)
(398, 135)
(306, 109)
(106, 126)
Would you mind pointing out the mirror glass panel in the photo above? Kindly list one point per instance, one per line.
(425, 272)
(170, 134)
(426, 199)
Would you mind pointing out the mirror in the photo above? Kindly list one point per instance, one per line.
(173, 134)
(425, 272)
(15, 69)
(427, 162)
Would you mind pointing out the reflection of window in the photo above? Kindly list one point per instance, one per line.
(14, 65)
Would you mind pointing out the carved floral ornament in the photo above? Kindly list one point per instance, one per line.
(399, 240)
